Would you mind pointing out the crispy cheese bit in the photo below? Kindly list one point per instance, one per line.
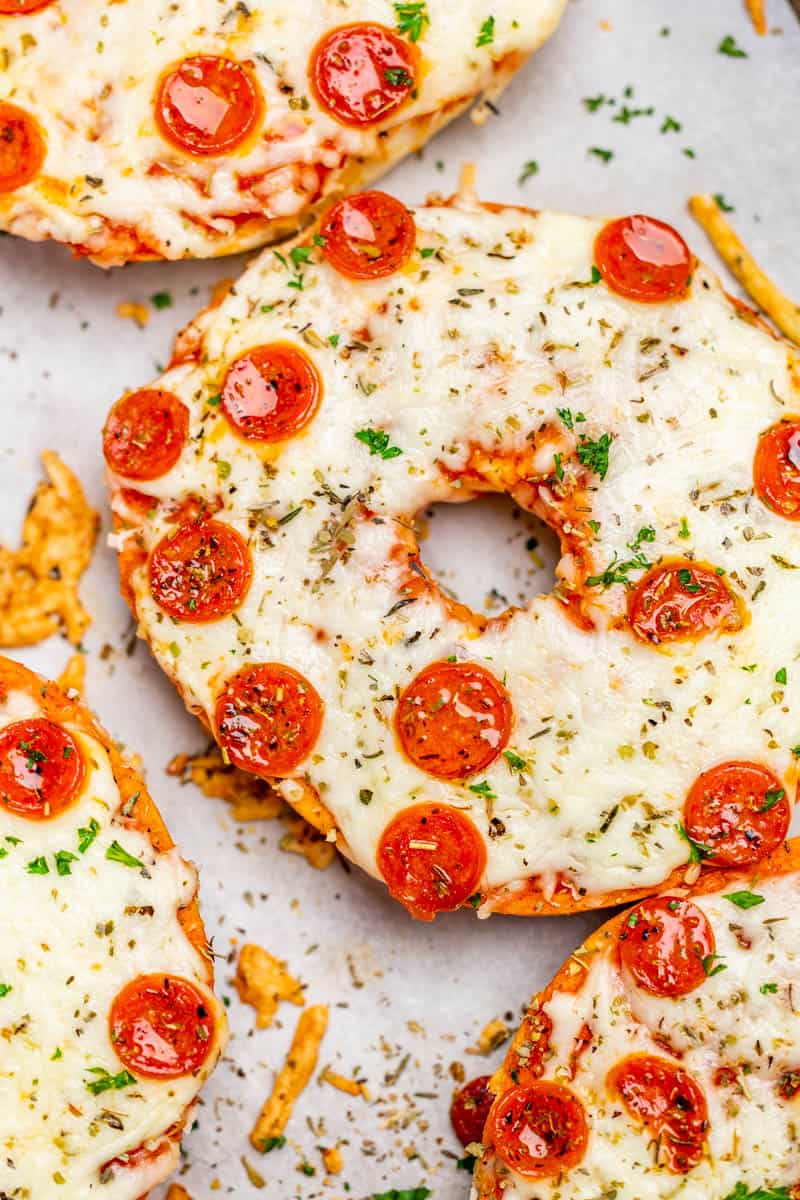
(39, 582)
(351, 1087)
(73, 677)
(785, 313)
(176, 1192)
(332, 1160)
(757, 15)
(130, 311)
(250, 798)
(303, 839)
(293, 1077)
(263, 981)
(491, 1036)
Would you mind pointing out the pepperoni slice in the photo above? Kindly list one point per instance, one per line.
(41, 769)
(432, 859)
(161, 1027)
(470, 1108)
(776, 468)
(268, 719)
(271, 393)
(643, 259)
(368, 236)
(15, 8)
(207, 105)
(22, 149)
(739, 810)
(362, 73)
(145, 434)
(670, 1104)
(682, 600)
(453, 719)
(539, 1130)
(666, 944)
(201, 572)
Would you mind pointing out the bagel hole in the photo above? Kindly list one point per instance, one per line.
(488, 553)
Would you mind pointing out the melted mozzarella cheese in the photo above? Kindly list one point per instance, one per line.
(479, 345)
(70, 943)
(729, 1020)
(88, 70)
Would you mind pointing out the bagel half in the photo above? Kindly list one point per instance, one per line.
(110, 1022)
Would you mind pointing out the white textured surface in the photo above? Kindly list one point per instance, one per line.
(63, 363)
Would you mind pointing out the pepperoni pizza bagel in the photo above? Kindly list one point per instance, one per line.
(637, 722)
(664, 1058)
(109, 1022)
(168, 130)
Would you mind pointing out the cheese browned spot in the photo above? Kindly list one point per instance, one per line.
(546, 759)
(188, 134)
(107, 1007)
(689, 1094)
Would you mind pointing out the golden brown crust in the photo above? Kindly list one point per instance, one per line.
(135, 801)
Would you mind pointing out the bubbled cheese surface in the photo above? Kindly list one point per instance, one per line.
(70, 944)
(744, 1016)
(479, 342)
(88, 71)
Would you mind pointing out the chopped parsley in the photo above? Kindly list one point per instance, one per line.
(740, 1192)
(712, 965)
(771, 798)
(683, 531)
(594, 455)
(38, 866)
(670, 125)
(412, 19)
(378, 442)
(118, 854)
(722, 203)
(687, 581)
(87, 834)
(5, 988)
(515, 762)
(105, 1082)
(744, 899)
(592, 103)
(617, 571)
(780, 675)
(768, 989)
(63, 859)
(484, 788)
(398, 77)
(486, 35)
(529, 169)
(729, 46)
(272, 1143)
(567, 417)
(697, 850)
(161, 300)
(417, 1193)
(605, 156)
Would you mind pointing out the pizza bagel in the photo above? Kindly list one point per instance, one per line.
(110, 1023)
(160, 130)
(635, 726)
(662, 1060)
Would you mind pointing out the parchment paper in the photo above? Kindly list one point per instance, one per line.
(395, 988)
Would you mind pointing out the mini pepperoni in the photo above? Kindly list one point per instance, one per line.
(667, 945)
(669, 1103)
(271, 393)
(22, 149)
(362, 73)
(161, 1027)
(776, 468)
(145, 434)
(201, 572)
(14, 8)
(207, 105)
(368, 236)
(643, 259)
(470, 1108)
(539, 1130)
(432, 859)
(681, 600)
(41, 769)
(268, 719)
(453, 719)
(739, 811)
